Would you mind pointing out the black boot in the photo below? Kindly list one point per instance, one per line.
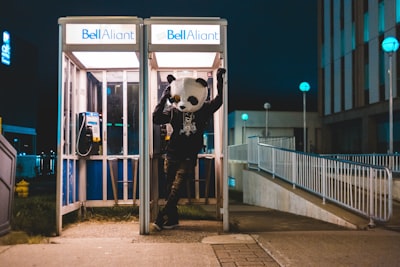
(172, 220)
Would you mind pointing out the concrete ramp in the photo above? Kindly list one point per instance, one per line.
(262, 190)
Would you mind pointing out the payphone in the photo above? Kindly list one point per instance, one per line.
(88, 138)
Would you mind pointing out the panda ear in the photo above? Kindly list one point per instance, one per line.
(170, 78)
(201, 81)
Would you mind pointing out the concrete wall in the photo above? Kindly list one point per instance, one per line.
(396, 189)
(260, 191)
(235, 170)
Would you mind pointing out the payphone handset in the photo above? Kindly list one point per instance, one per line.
(89, 133)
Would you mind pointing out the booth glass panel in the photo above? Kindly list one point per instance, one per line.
(94, 92)
(133, 118)
(68, 83)
(114, 114)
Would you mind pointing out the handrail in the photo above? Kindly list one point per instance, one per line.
(362, 187)
(391, 161)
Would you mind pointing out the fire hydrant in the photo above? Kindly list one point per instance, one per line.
(22, 188)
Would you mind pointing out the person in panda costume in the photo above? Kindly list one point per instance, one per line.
(188, 113)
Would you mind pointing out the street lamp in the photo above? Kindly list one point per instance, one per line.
(304, 87)
(245, 117)
(390, 45)
(267, 106)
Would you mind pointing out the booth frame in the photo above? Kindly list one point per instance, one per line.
(72, 170)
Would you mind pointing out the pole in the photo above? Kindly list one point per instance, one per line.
(244, 132)
(266, 123)
(267, 106)
(390, 106)
(304, 122)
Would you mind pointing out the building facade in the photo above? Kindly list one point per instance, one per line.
(18, 91)
(353, 75)
(244, 124)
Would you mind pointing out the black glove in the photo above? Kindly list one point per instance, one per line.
(166, 94)
(220, 79)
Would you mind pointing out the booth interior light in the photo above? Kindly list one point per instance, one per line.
(108, 59)
(185, 59)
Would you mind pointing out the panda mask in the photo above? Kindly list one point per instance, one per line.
(188, 94)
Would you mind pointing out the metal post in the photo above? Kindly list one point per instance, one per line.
(304, 123)
(244, 132)
(244, 117)
(304, 87)
(390, 106)
(267, 106)
(390, 45)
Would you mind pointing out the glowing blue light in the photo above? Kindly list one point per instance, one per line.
(231, 181)
(245, 116)
(6, 49)
(304, 86)
(390, 44)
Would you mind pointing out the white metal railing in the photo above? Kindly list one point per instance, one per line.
(253, 141)
(364, 188)
(391, 161)
(247, 153)
(288, 142)
(238, 153)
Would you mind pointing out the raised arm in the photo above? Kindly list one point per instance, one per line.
(160, 115)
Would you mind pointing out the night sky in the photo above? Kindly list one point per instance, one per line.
(272, 46)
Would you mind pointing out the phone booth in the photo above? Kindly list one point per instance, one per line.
(187, 47)
(99, 91)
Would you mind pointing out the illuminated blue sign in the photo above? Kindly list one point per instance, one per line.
(6, 49)
(231, 181)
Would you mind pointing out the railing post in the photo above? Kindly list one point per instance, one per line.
(273, 162)
(324, 183)
(371, 198)
(294, 169)
(258, 154)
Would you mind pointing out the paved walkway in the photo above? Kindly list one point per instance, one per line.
(243, 255)
(260, 237)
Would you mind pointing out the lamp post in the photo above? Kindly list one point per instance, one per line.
(245, 117)
(390, 45)
(267, 106)
(304, 87)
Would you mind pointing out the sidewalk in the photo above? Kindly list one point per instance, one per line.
(259, 237)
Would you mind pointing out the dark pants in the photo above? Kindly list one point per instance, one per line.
(177, 172)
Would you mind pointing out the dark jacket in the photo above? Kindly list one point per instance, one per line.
(186, 142)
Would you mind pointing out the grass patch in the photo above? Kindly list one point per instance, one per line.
(194, 212)
(116, 213)
(35, 215)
